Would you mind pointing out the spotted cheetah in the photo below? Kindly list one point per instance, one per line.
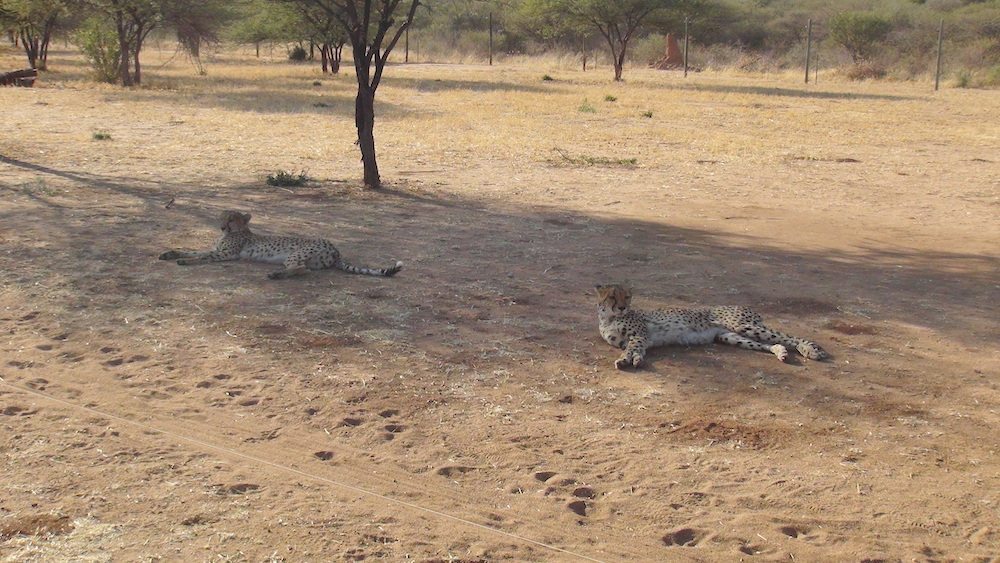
(634, 330)
(298, 254)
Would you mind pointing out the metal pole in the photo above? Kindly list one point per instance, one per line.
(937, 73)
(491, 38)
(685, 46)
(406, 44)
(809, 39)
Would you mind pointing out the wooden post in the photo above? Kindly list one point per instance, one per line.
(491, 38)
(685, 46)
(809, 40)
(937, 72)
(406, 45)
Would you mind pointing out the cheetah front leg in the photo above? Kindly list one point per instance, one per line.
(733, 339)
(185, 258)
(177, 254)
(634, 353)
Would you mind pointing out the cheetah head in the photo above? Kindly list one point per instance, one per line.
(613, 299)
(234, 221)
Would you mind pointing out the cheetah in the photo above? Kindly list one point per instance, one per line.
(634, 330)
(298, 254)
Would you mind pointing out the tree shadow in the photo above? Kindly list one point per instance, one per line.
(503, 284)
(777, 91)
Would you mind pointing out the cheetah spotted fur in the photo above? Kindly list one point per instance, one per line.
(297, 254)
(634, 330)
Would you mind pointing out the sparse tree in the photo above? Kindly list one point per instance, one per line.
(133, 20)
(373, 28)
(617, 21)
(33, 22)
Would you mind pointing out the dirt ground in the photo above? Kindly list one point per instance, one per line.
(466, 409)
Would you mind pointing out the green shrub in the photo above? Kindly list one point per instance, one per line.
(585, 107)
(647, 113)
(284, 179)
(860, 33)
(99, 43)
(964, 79)
(101, 136)
(610, 98)
(547, 78)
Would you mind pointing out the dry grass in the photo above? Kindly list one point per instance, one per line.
(860, 215)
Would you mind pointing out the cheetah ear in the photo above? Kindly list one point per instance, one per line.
(246, 217)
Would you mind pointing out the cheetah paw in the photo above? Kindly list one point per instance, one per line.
(812, 351)
(170, 255)
(780, 351)
(627, 361)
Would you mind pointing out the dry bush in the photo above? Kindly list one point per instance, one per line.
(863, 71)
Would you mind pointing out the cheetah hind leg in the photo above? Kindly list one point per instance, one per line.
(293, 267)
(733, 339)
(807, 348)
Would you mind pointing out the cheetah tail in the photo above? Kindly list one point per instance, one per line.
(385, 272)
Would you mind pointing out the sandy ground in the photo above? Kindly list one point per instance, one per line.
(467, 410)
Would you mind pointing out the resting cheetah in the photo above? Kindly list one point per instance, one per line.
(634, 330)
(298, 254)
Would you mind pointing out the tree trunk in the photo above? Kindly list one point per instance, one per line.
(43, 52)
(30, 44)
(257, 48)
(335, 58)
(124, 59)
(135, 61)
(364, 115)
(324, 56)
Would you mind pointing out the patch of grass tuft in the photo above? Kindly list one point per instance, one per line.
(547, 78)
(101, 136)
(647, 113)
(610, 98)
(284, 179)
(588, 160)
(585, 107)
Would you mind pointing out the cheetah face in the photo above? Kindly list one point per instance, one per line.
(613, 299)
(234, 221)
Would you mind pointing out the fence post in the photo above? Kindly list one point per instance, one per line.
(816, 71)
(809, 39)
(491, 38)
(685, 46)
(937, 72)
